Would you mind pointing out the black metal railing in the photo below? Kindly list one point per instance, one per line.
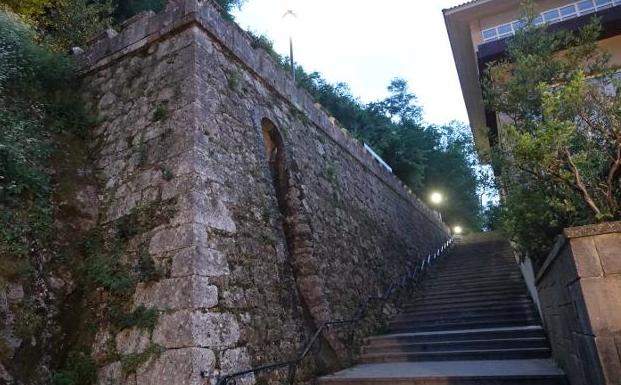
(412, 275)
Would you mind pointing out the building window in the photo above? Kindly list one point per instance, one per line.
(551, 16)
(505, 30)
(489, 34)
(555, 15)
(602, 4)
(586, 6)
(568, 12)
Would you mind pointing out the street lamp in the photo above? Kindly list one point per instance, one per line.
(289, 21)
(457, 230)
(436, 198)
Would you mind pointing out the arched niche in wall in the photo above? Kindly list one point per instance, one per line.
(276, 159)
(297, 230)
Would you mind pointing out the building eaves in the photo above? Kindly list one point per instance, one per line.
(466, 5)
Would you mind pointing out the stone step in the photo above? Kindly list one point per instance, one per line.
(470, 281)
(485, 372)
(460, 335)
(473, 278)
(499, 343)
(440, 306)
(480, 315)
(460, 325)
(471, 274)
(458, 299)
(416, 322)
(473, 290)
(433, 284)
(458, 355)
(527, 306)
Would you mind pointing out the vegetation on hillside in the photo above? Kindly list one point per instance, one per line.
(560, 151)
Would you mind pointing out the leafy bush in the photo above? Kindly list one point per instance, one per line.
(79, 369)
(131, 362)
(127, 8)
(142, 318)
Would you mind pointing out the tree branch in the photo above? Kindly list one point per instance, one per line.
(580, 186)
(612, 174)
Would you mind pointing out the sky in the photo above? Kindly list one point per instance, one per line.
(366, 44)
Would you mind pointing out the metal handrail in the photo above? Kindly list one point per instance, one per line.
(360, 314)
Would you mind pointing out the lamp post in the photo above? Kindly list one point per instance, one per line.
(289, 19)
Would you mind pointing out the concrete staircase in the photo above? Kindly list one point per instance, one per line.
(471, 322)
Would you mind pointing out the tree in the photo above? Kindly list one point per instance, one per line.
(561, 136)
(64, 23)
(124, 9)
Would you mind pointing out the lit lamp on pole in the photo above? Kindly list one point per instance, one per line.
(436, 198)
(289, 19)
(458, 230)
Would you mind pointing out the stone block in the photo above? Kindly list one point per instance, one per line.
(189, 292)
(580, 308)
(586, 258)
(199, 260)
(609, 249)
(602, 299)
(196, 329)
(111, 374)
(132, 341)
(175, 238)
(235, 360)
(609, 360)
(589, 360)
(187, 366)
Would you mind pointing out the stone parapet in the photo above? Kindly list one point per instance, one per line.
(580, 290)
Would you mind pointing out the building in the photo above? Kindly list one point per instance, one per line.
(479, 31)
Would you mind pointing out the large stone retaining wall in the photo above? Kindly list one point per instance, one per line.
(258, 244)
(580, 291)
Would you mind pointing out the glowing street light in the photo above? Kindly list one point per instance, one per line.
(289, 19)
(458, 230)
(436, 198)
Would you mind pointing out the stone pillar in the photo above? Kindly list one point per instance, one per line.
(580, 290)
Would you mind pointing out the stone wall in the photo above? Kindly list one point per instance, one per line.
(268, 217)
(580, 290)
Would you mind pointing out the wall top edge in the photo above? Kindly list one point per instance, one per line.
(591, 230)
(573, 233)
(147, 28)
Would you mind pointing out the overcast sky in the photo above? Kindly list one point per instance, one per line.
(367, 43)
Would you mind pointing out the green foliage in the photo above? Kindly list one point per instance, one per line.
(109, 272)
(28, 322)
(233, 80)
(79, 369)
(131, 362)
(36, 106)
(227, 6)
(124, 9)
(161, 112)
(141, 318)
(167, 173)
(147, 269)
(560, 152)
(65, 23)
